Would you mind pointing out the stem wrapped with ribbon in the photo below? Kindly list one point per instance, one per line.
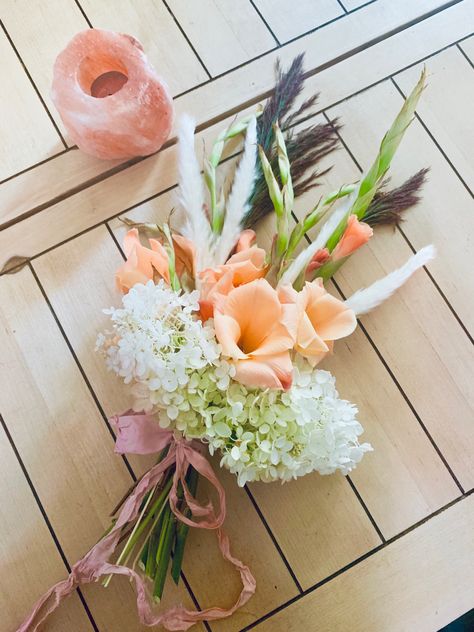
(140, 434)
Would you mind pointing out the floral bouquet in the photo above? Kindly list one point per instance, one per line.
(222, 340)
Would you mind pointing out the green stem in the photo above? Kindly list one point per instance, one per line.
(315, 216)
(182, 529)
(163, 554)
(141, 525)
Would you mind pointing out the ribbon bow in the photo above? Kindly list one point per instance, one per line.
(140, 434)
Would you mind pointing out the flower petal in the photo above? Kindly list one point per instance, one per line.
(330, 318)
(228, 333)
(255, 306)
(266, 372)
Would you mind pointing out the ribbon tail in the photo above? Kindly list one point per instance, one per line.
(60, 591)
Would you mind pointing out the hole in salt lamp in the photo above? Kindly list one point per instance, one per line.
(101, 75)
(108, 83)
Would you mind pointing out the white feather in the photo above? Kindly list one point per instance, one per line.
(303, 259)
(237, 203)
(191, 195)
(365, 300)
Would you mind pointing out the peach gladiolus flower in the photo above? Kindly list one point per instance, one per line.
(356, 235)
(243, 267)
(321, 317)
(255, 332)
(143, 264)
(185, 255)
(319, 258)
(246, 240)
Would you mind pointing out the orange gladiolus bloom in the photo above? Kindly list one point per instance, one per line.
(185, 255)
(243, 267)
(257, 333)
(152, 264)
(321, 318)
(356, 235)
(246, 240)
(319, 258)
(143, 264)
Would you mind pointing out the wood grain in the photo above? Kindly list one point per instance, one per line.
(446, 106)
(423, 581)
(288, 20)
(28, 575)
(225, 33)
(27, 133)
(40, 30)
(164, 44)
(316, 543)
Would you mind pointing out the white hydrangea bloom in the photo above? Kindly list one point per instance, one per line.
(270, 435)
(159, 344)
(174, 362)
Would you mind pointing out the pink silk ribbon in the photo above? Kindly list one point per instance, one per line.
(140, 434)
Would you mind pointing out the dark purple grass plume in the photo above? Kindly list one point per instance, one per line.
(305, 148)
(387, 206)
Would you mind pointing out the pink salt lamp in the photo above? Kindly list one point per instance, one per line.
(109, 97)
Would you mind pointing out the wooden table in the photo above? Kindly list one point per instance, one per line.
(391, 547)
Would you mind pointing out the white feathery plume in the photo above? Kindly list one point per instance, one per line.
(365, 300)
(191, 194)
(237, 202)
(302, 260)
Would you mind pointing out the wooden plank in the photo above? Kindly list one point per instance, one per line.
(468, 47)
(40, 30)
(62, 176)
(78, 278)
(225, 33)
(288, 20)
(49, 182)
(423, 581)
(164, 44)
(424, 348)
(61, 438)
(27, 133)
(318, 522)
(28, 571)
(446, 107)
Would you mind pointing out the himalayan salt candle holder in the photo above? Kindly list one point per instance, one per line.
(109, 97)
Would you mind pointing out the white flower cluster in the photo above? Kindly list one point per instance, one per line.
(270, 435)
(159, 344)
(174, 361)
